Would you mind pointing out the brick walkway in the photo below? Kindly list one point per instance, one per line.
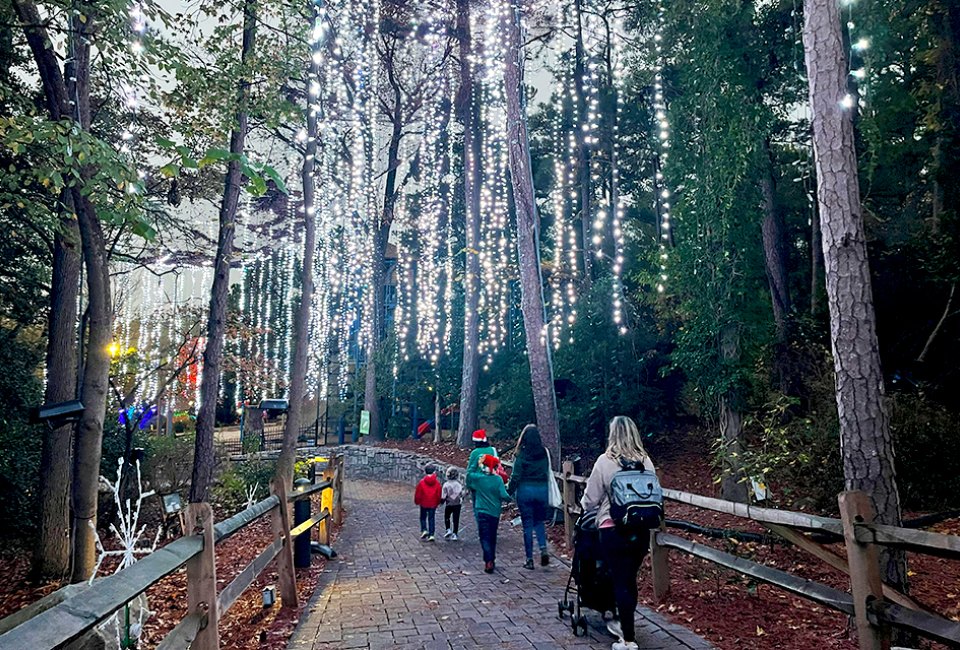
(390, 590)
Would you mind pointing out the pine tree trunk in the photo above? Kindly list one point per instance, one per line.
(203, 459)
(466, 104)
(301, 331)
(816, 262)
(528, 239)
(865, 441)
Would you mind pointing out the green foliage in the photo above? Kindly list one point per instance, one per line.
(20, 442)
(168, 461)
(605, 373)
(230, 490)
(925, 437)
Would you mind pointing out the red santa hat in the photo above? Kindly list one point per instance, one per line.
(490, 462)
(480, 435)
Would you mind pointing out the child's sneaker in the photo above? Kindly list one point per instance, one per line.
(423, 534)
(613, 627)
(453, 537)
(625, 645)
(447, 534)
(488, 567)
(431, 538)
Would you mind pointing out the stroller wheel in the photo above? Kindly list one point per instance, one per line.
(576, 626)
(561, 608)
(582, 624)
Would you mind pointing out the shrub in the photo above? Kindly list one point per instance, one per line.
(168, 461)
(20, 442)
(230, 490)
(928, 454)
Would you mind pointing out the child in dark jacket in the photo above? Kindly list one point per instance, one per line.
(489, 493)
(427, 497)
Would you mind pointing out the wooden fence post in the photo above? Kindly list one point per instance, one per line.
(202, 576)
(659, 566)
(338, 491)
(569, 501)
(280, 525)
(864, 560)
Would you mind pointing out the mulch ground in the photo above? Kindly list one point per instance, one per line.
(248, 625)
(730, 610)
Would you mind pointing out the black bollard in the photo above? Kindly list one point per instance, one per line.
(301, 513)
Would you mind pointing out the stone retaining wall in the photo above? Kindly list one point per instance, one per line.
(386, 464)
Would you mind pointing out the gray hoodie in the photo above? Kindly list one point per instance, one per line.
(596, 496)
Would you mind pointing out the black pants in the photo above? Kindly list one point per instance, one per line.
(623, 559)
(428, 520)
(487, 530)
(452, 513)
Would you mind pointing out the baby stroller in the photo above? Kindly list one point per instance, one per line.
(588, 577)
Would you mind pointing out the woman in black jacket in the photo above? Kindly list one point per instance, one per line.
(528, 483)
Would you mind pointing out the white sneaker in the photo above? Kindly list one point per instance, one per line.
(624, 645)
(613, 627)
(447, 534)
(453, 537)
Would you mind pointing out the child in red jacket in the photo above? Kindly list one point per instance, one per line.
(427, 497)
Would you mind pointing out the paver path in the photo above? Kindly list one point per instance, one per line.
(387, 589)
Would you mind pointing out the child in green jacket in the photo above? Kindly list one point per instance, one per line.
(489, 493)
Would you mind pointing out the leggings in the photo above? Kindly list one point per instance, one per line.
(452, 512)
(623, 558)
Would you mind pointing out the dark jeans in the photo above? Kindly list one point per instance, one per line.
(487, 528)
(428, 520)
(532, 500)
(452, 512)
(623, 559)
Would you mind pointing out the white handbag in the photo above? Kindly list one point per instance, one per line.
(554, 498)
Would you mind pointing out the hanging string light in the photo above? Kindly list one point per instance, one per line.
(662, 127)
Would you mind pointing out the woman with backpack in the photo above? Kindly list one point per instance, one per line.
(528, 484)
(623, 547)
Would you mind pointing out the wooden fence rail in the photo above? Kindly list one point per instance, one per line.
(875, 606)
(69, 614)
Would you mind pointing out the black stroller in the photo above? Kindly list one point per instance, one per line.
(592, 583)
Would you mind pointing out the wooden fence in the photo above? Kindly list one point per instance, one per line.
(70, 614)
(874, 606)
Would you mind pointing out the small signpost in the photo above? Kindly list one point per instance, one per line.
(364, 423)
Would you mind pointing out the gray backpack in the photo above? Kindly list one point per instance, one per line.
(636, 500)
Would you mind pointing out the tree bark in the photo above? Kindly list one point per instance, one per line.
(203, 460)
(733, 486)
(775, 265)
(816, 261)
(52, 556)
(528, 239)
(865, 441)
(301, 331)
(371, 400)
(466, 104)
